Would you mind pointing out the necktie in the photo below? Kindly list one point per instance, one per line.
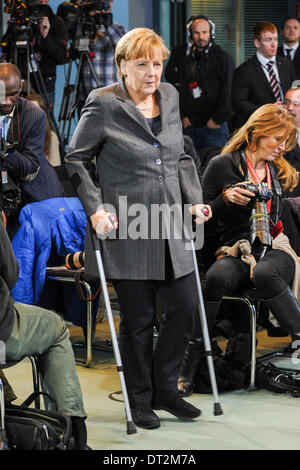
(273, 81)
(288, 54)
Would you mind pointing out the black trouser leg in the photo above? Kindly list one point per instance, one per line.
(144, 369)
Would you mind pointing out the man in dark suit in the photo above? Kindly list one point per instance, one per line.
(262, 79)
(292, 103)
(24, 165)
(290, 48)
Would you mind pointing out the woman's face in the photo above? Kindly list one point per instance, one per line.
(142, 76)
(271, 147)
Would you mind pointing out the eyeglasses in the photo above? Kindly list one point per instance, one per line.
(294, 102)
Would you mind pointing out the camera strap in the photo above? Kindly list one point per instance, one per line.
(256, 177)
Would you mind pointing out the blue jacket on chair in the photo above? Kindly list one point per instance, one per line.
(59, 222)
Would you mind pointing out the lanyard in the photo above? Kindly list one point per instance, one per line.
(257, 180)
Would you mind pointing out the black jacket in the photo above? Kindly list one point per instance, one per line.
(9, 272)
(295, 61)
(214, 76)
(52, 50)
(251, 88)
(175, 65)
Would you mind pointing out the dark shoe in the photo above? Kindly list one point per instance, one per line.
(144, 417)
(174, 404)
(192, 358)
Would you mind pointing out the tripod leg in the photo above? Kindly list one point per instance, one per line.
(217, 407)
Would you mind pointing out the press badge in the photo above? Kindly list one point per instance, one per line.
(197, 92)
(4, 177)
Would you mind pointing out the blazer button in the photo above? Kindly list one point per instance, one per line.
(160, 178)
(158, 161)
(156, 144)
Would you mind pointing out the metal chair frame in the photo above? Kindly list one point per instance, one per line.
(35, 375)
(253, 310)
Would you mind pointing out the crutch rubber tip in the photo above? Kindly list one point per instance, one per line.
(131, 429)
(217, 409)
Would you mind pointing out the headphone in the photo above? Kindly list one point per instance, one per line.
(212, 27)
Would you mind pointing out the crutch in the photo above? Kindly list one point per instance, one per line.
(208, 352)
(131, 429)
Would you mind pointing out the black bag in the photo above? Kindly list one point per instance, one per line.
(11, 197)
(35, 429)
(276, 379)
(231, 369)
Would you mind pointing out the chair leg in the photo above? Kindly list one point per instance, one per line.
(36, 380)
(89, 330)
(253, 314)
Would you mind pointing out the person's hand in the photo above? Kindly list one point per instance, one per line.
(44, 26)
(186, 122)
(202, 212)
(104, 222)
(238, 195)
(211, 124)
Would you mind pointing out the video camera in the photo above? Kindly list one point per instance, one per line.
(83, 19)
(259, 220)
(25, 14)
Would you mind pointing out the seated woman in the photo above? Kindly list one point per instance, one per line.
(254, 154)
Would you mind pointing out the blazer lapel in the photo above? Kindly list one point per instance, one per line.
(130, 108)
(281, 69)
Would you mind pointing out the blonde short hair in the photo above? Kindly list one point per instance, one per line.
(139, 42)
(267, 121)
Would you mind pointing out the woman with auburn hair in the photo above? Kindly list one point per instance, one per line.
(253, 155)
(133, 130)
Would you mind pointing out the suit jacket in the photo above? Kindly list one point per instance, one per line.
(175, 65)
(251, 88)
(295, 61)
(27, 162)
(140, 168)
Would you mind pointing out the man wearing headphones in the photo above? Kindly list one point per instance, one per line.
(206, 87)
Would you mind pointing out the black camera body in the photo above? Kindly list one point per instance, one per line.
(259, 221)
(261, 191)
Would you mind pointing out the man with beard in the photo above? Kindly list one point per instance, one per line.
(206, 87)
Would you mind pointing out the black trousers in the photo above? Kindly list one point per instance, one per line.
(147, 370)
(272, 274)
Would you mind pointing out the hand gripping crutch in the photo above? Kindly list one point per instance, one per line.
(131, 429)
(207, 346)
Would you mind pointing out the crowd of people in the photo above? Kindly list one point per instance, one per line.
(193, 145)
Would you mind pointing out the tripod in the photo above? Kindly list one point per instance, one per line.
(68, 105)
(32, 67)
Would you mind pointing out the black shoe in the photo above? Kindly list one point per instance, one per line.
(174, 404)
(144, 417)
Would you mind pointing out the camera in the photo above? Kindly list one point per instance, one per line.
(259, 220)
(25, 15)
(82, 19)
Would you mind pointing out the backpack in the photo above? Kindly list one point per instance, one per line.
(28, 428)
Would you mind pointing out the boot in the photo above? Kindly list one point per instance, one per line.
(79, 433)
(286, 310)
(196, 350)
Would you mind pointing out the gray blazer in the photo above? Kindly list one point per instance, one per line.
(135, 167)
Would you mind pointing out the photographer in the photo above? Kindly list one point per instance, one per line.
(206, 87)
(254, 154)
(34, 21)
(102, 47)
(27, 176)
